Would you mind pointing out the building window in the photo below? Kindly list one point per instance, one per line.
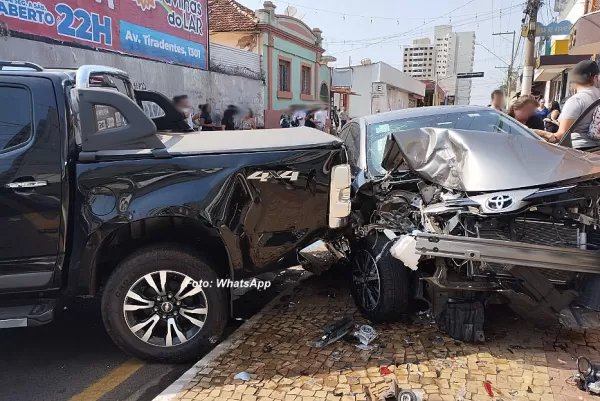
(305, 82)
(284, 78)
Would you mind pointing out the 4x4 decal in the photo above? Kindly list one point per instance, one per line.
(263, 176)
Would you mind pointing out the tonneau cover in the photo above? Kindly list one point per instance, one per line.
(211, 142)
(248, 141)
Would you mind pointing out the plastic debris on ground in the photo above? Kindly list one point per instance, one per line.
(336, 356)
(332, 332)
(365, 334)
(384, 370)
(244, 376)
(488, 388)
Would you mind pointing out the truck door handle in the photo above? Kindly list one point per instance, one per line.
(26, 184)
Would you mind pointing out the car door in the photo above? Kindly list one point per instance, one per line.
(30, 183)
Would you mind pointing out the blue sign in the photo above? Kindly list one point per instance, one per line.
(553, 28)
(161, 46)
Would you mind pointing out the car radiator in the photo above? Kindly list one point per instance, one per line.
(533, 232)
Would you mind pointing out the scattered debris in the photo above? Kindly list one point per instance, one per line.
(267, 348)
(408, 342)
(384, 370)
(529, 390)
(513, 393)
(516, 347)
(336, 356)
(510, 350)
(332, 332)
(364, 347)
(394, 393)
(561, 361)
(438, 341)
(588, 378)
(488, 388)
(244, 376)
(338, 393)
(365, 334)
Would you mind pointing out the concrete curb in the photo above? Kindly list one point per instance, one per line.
(171, 392)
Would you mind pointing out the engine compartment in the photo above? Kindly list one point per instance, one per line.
(535, 249)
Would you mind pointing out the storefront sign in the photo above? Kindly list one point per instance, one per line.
(175, 31)
(553, 28)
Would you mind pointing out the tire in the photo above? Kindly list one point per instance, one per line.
(393, 281)
(180, 311)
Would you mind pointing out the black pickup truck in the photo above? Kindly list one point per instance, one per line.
(98, 198)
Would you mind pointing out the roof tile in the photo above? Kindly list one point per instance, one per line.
(229, 16)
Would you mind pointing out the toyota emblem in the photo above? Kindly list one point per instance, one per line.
(500, 202)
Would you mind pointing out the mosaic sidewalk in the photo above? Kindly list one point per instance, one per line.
(520, 361)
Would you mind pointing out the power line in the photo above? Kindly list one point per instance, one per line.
(466, 21)
(386, 39)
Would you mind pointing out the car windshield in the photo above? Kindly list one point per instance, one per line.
(477, 120)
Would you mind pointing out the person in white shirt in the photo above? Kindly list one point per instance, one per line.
(321, 119)
(298, 118)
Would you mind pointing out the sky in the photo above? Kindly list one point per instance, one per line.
(379, 29)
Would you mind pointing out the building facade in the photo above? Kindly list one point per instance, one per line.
(455, 53)
(294, 68)
(419, 60)
(377, 87)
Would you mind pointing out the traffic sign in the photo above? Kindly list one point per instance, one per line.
(469, 75)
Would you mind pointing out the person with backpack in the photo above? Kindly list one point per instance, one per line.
(584, 76)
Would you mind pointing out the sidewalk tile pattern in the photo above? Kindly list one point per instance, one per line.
(519, 360)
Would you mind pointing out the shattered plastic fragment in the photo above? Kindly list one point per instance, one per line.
(244, 376)
(405, 250)
(384, 370)
(366, 334)
(488, 388)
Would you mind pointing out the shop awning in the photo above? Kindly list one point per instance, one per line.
(585, 35)
(549, 67)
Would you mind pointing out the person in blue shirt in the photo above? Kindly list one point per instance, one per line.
(542, 110)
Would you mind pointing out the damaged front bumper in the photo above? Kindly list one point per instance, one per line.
(508, 253)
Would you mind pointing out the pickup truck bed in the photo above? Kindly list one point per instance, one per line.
(220, 142)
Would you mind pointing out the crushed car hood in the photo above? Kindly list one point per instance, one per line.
(474, 161)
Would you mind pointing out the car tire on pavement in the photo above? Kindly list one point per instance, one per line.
(380, 283)
(155, 308)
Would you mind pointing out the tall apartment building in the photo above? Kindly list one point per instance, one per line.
(420, 60)
(455, 53)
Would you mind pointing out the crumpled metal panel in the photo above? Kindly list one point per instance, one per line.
(474, 161)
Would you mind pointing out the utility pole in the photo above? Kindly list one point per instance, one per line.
(532, 10)
(509, 73)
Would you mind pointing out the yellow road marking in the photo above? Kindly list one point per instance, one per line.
(109, 382)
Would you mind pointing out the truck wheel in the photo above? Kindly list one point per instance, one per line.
(154, 309)
(380, 288)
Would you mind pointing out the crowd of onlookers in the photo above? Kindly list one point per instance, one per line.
(554, 122)
(202, 120)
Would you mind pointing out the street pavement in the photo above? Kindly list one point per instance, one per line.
(74, 359)
(519, 360)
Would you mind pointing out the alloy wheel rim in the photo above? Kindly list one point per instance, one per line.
(365, 276)
(165, 308)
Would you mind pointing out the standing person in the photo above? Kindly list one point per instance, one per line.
(228, 121)
(310, 121)
(523, 110)
(321, 119)
(542, 110)
(343, 117)
(203, 119)
(584, 76)
(284, 121)
(336, 117)
(182, 104)
(551, 122)
(298, 118)
(497, 100)
(249, 122)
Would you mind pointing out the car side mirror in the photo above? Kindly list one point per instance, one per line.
(122, 124)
